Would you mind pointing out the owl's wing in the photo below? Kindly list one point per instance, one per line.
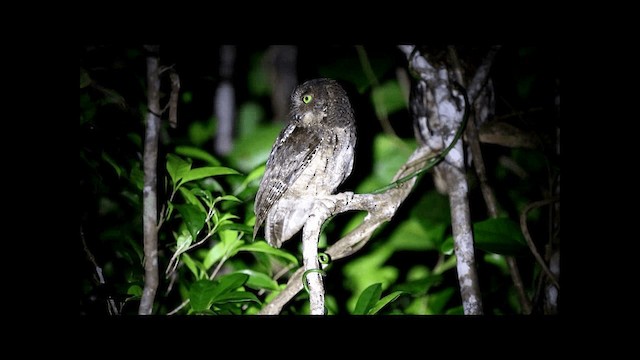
(294, 149)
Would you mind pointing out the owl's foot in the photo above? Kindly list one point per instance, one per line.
(330, 203)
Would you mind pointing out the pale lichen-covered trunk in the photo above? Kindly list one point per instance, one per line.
(438, 108)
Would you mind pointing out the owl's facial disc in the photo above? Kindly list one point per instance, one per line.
(312, 116)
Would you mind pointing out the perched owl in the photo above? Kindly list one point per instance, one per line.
(312, 156)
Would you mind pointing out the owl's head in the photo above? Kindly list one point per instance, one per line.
(318, 101)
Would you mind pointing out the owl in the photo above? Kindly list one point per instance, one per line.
(311, 157)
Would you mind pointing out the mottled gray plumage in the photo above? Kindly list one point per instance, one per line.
(312, 156)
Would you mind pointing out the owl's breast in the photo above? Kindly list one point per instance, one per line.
(327, 169)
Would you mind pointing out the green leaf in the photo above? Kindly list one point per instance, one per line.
(263, 247)
(356, 219)
(192, 199)
(250, 115)
(226, 218)
(229, 238)
(368, 298)
(203, 172)
(136, 176)
(197, 153)
(253, 150)
(384, 301)
(183, 240)
(255, 174)
(229, 283)
(434, 207)
(257, 77)
(202, 131)
(237, 227)
(214, 255)
(448, 264)
(134, 290)
(388, 98)
(191, 265)
(438, 300)
(500, 236)
(85, 79)
(228, 198)
(204, 194)
(201, 294)
(412, 235)
(236, 296)
(176, 167)
(499, 261)
(204, 293)
(201, 312)
(258, 280)
(193, 218)
(227, 309)
(187, 97)
(447, 246)
(457, 310)
(369, 268)
(389, 154)
(112, 97)
(112, 162)
(419, 286)
(226, 248)
(351, 69)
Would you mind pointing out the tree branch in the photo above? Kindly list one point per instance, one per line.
(310, 236)
(173, 99)
(380, 208)
(150, 207)
(463, 239)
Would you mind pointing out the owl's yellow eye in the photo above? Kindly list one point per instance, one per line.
(307, 98)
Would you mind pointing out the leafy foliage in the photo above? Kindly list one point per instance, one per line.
(210, 264)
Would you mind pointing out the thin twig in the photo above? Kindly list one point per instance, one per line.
(184, 303)
(278, 275)
(481, 76)
(382, 115)
(173, 99)
(530, 243)
(110, 302)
